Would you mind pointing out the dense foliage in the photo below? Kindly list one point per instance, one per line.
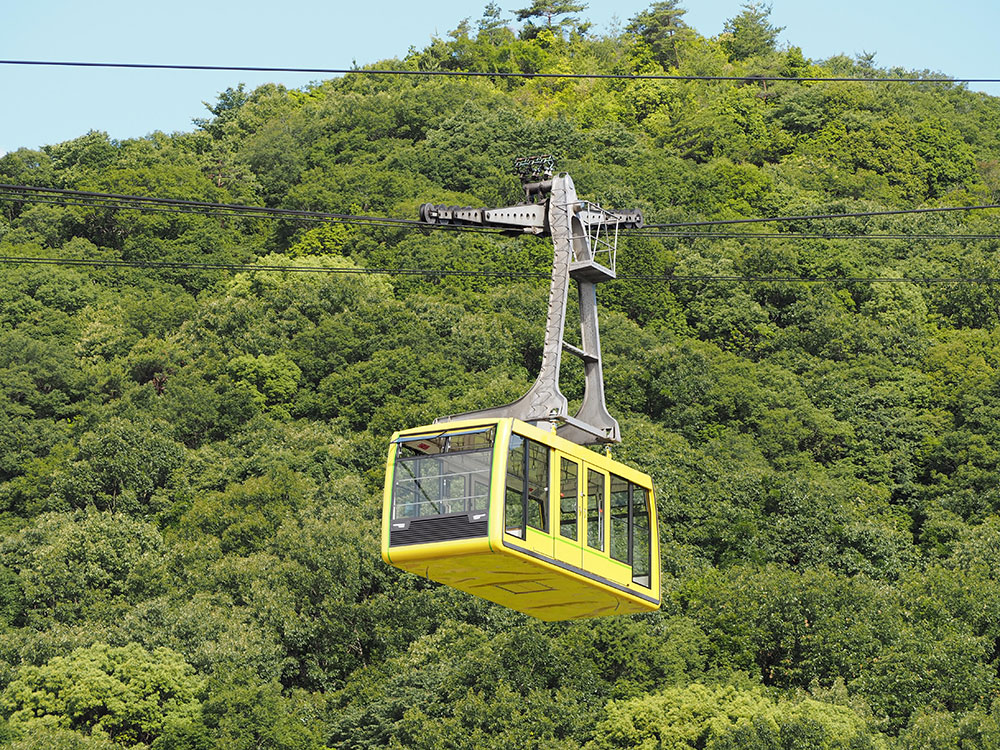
(191, 459)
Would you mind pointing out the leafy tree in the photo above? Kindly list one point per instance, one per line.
(731, 716)
(792, 628)
(492, 21)
(945, 730)
(946, 670)
(126, 694)
(85, 564)
(120, 469)
(54, 738)
(244, 715)
(76, 158)
(750, 33)
(549, 9)
(273, 378)
(223, 110)
(659, 27)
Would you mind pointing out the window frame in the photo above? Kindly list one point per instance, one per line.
(645, 494)
(634, 494)
(529, 505)
(599, 515)
(569, 503)
(406, 462)
(618, 546)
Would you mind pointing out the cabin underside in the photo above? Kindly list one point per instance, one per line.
(535, 588)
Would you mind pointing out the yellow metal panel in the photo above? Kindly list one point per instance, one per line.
(569, 552)
(499, 481)
(390, 466)
(406, 553)
(528, 585)
(571, 594)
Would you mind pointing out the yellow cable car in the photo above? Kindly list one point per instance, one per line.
(489, 502)
(509, 512)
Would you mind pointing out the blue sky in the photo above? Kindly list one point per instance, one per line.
(49, 105)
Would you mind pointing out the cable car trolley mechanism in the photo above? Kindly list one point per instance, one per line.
(506, 503)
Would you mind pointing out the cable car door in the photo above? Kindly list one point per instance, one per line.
(566, 516)
(539, 512)
(528, 506)
(594, 535)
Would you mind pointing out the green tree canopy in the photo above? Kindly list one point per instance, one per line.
(750, 33)
(127, 694)
(659, 27)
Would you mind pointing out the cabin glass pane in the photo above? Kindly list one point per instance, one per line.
(514, 494)
(619, 519)
(641, 536)
(442, 474)
(538, 486)
(595, 509)
(569, 490)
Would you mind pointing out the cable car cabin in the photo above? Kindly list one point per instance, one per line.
(522, 517)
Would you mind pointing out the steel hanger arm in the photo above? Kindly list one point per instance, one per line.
(583, 239)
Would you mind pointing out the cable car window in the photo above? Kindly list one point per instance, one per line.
(514, 495)
(641, 537)
(595, 509)
(454, 492)
(526, 496)
(442, 473)
(538, 486)
(569, 491)
(619, 519)
(480, 493)
(445, 442)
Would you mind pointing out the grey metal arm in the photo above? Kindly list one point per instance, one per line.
(575, 227)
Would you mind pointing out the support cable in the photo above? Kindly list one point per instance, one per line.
(117, 201)
(814, 217)
(494, 74)
(120, 202)
(649, 278)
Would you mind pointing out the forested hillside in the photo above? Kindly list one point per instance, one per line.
(191, 458)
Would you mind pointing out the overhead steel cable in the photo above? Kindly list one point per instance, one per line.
(200, 211)
(124, 202)
(116, 201)
(650, 278)
(737, 279)
(249, 267)
(816, 217)
(241, 215)
(811, 236)
(494, 74)
(927, 237)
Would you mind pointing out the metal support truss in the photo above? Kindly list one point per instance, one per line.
(584, 238)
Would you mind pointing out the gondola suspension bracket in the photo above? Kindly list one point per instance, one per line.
(585, 240)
